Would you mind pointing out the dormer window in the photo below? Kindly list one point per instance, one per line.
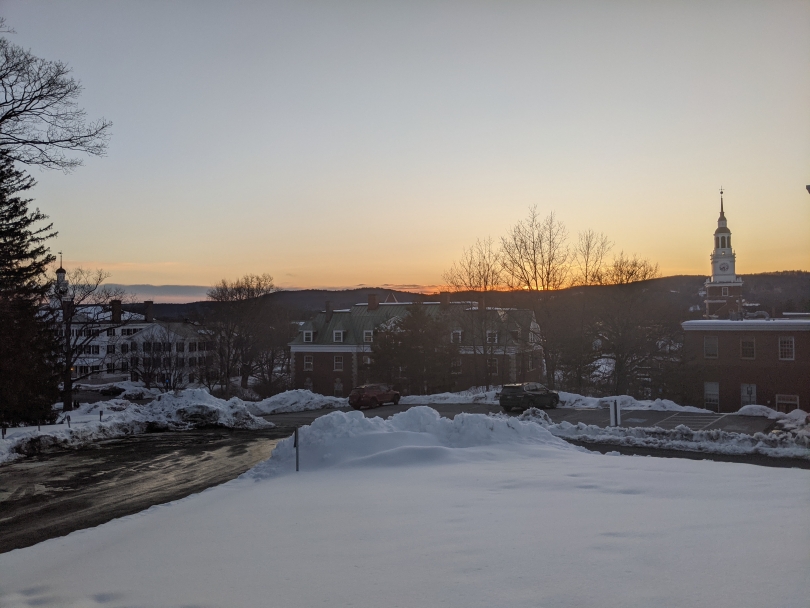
(455, 337)
(492, 337)
(368, 335)
(337, 335)
(307, 336)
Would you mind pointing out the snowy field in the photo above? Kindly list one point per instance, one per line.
(420, 511)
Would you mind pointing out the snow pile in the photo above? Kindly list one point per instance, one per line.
(298, 400)
(122, 390)
(785, 444)
(191, 408)
(626, 402)
(762, 410)
(476, 394)
(417, 435)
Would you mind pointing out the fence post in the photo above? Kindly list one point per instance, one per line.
(612, 413)
(296, 449)
(68, 419)
(100, 412)
(618, 413)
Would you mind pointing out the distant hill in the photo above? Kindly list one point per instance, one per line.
(776, 292)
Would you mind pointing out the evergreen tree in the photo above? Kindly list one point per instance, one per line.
(28, 383)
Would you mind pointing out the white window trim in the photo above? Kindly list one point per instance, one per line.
(453, 334)
(309, 365)
(368, 335)
(308, 336)
(752, 340)
(338, 359)
(337, 335)
(492, 334)
(792, 356)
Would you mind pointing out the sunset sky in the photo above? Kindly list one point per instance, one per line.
(335, 144)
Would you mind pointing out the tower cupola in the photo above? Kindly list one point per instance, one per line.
(724, 287)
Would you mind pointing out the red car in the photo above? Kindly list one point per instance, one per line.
(372, 395)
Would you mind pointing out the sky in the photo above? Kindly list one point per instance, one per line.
(337, 144)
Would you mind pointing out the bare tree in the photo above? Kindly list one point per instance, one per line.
(535, 254)
(83, 306)
(589, 256)
(40, 119)
(239, 325)
(536, 258)
(479, 270)
(624, 269)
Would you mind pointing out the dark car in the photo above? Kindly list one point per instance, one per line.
(528, 394)
(372, 395)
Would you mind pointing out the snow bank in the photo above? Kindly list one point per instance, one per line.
(473, 395)
(298, 400)
(792, 443)
(481, 395)
(122, 390)
(626, 402)
(191, 408)
(417, 435)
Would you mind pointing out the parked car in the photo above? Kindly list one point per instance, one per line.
(372, 395)
(528, 394)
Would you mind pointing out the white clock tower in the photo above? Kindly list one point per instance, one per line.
(724, 287)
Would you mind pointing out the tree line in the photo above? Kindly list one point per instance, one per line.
(603, 326)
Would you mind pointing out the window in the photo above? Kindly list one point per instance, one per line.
(110, 332)
(787, 403)
(455, 366)
(167, 347)
(338, 363)
(192, 347)
(111, 368)
(492, 366)
(84, 370)
(192, 361)
(711, 395)
(368, 335)
(124, 366)
(725, 291)
(307, 336)
(124, 349)
(181, 363)
(309, 363)
(180, 347)
(747, 348)
(338, 387)
(337, 335)
(167, 362)
(492, 337)
(111, 349)
(515, 333)
(786, 350)
(455, 337)
(147, 347)
(748, 394)
(366, 360)
(710, 348)
(95, 368)
(133, 347)
(134, 361)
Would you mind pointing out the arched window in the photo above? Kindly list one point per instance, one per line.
(729, 241)
(723, 242)
(717, 242)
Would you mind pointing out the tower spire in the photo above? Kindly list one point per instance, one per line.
(722, 213)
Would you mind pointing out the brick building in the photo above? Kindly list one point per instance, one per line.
(739, 358)
(763, 361)
(331, 353)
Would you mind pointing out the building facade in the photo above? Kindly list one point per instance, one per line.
(332, 353)
(753, 361)
(737, 358)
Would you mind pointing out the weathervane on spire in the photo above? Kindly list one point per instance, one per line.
(721, 199)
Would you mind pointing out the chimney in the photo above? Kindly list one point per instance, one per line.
(328, 311)
(444, 298)
(116, 311)
(373, 304)
(149, 311)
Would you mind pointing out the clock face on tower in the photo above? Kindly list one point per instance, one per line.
(723, 267)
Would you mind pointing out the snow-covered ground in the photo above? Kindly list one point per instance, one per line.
(92, 422)
(423, 511)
